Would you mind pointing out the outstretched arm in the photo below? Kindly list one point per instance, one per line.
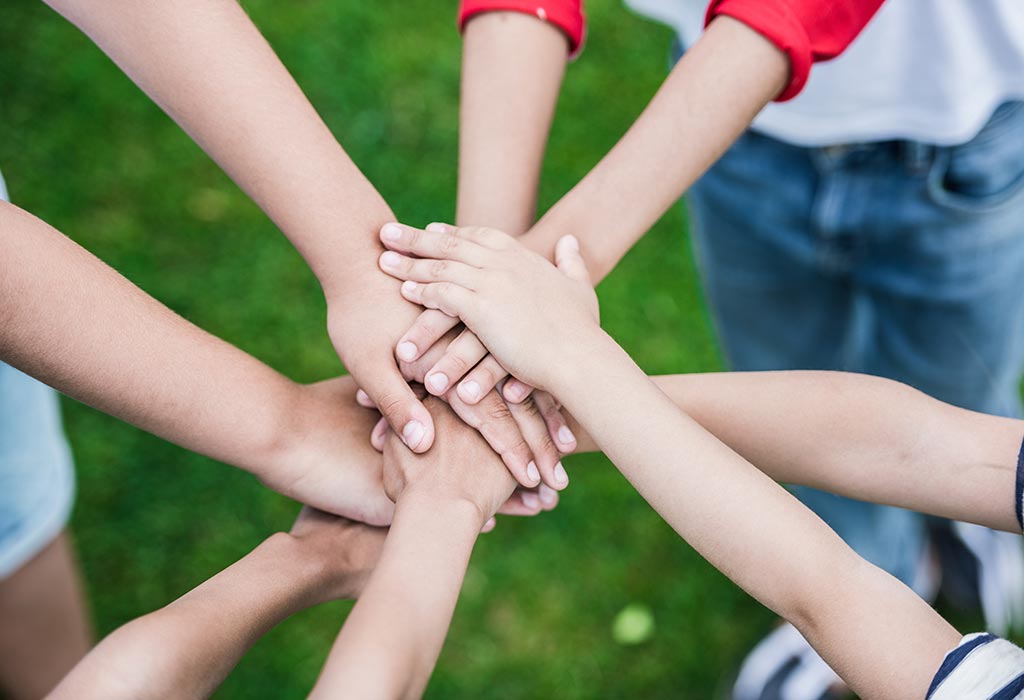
(185, 650)
(873, 630)
(708, 100)
(74, 323)
(391, 641)
(859, 436)
(208, 67)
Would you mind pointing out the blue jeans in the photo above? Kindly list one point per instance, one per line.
(898, 259)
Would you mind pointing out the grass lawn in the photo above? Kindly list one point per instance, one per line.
(89, 153)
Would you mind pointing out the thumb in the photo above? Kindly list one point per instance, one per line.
(398, 404)
(569, 260)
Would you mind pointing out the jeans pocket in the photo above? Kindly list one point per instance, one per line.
(985, 174)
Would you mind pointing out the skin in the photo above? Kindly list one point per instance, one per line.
(44, 628)
(877, 634)
(391, 640)
(187, 648)
(208, 67)
(705, 104)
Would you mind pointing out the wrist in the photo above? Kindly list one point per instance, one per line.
(313, 578)
(422, 502)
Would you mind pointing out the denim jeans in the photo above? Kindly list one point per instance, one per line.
(899, 259)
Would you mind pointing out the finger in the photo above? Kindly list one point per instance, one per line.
(429, 328)
(482, 378)
(364, 400)
(378, 434)
(535, 431)
(450, 298)
(548, 497)
(522, 502)
(569, 260)
(451, 244)
(558, 426)
(492, 419)
(396, 401)
(426, 270)
(490, 524)
(460, 357)
(516, 391)
(417, 371)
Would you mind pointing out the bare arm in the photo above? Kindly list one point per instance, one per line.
(186, 649)
(512, 69)
(391, 641)
(883, 640)
(206, 64)
(707, 101)
(77, 325)
(860, 436)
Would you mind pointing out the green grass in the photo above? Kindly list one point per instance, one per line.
(85, 150)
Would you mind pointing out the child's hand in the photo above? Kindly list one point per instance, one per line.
(345, 551)
(535, 318)
(324, 459)
(460, 466)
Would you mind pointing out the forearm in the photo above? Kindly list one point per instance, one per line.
(860, 436)
(186, 649)
(206, 64)
(756, 533)
(392, 638)
(708, 100)
(77, 325)
(512, 69)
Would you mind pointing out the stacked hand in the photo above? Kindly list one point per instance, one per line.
(502, 292)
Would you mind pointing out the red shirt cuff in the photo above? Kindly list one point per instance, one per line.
(805, 30)
(567, 15)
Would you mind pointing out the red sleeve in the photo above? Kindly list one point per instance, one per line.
(567, 15)
(806, 30)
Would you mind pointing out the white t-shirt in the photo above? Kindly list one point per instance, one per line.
(922, 70)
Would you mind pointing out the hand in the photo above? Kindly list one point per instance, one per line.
(530, 436)
(364, 323)
(324, 459)
(465, 364)
(346, 551)
(502, 291)
(461, 467)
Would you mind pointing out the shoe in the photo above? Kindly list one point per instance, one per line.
(783, 666)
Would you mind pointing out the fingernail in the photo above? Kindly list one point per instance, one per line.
(390, 259)
(408, 286)
(412, 434)
(531, 472)
(565, 435)
(438, 382)
(530, 500)
(573, 242)
(561, 478)
(437, 227)
(469, 391)
(407, 351)
(548, 496)
(391, 232)
(517, 391)
(362, 396)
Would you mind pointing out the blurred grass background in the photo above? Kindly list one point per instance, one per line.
(85, 150)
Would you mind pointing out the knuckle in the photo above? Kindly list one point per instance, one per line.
(437, 268)
(390, 405)
(450, 243)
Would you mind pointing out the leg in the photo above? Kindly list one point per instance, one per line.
(44, 630)
(43, 627)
